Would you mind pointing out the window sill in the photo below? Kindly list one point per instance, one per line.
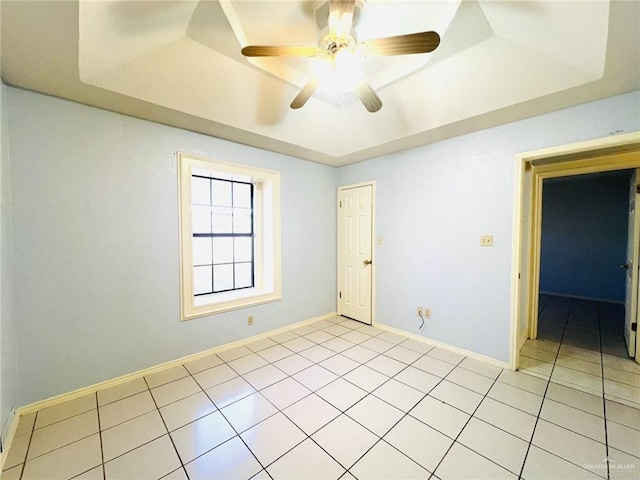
(206, 305)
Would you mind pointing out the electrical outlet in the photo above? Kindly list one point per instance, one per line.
(427, 313)
(420, 312)
(486, 241)
(250, 320)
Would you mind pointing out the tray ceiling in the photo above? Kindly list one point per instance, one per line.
(179, 63)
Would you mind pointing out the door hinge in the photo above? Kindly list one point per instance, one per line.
(340, 203)
(518, 276)
(634, 327)
(637, 188)
(340, 294)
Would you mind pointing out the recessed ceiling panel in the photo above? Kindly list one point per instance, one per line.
(179, 63)
(291, 23)
(115, 32)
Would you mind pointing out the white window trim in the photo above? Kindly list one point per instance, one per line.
(268, 272)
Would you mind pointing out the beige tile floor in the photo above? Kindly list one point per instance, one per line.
(335, 399)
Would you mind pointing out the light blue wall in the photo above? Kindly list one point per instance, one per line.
(584, 236)
(8, 328)
(433, 204)
(96, 244)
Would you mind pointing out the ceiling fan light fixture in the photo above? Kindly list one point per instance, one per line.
(339, 54)
(340, 73)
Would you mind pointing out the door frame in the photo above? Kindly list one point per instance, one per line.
(374, 263)
(600, 155)
(634, 262)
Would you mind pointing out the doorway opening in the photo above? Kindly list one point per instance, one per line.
(547, 325)
(587, 234)
(532, 168)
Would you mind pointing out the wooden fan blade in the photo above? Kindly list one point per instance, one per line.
(369, 97)
(305, 94)
(422, 42)
(341, 17)
(272, 51)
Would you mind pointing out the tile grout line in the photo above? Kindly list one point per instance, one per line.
(378, 354)
(405, 414)
(381, 438)
(104, 472)
(458, 365)
(545, 305)
(136, 447)
(455, 440)
(604, 401)
(312, 393)
(568, 429)
(408, 413)
(64, 444)
(318, 363)
(148, 388)
(545, 391)
(202, 390)
(26, 453)
(167, 430)
(226, 420)
(307, 436)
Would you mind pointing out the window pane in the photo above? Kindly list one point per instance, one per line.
(221, 192)
(223, 277)
(241, 220)
(221, 220)
(223, 250)
(201, 219)
(244, 275)
(201, 172)
(243, 251)
(201, 280)
(200, 194)
(241, 195)
(202, 251)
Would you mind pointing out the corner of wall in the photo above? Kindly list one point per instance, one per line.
(8, 333)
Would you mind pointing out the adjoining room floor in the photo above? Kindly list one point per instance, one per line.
(581, 345)
(335, 399)
(580, 348)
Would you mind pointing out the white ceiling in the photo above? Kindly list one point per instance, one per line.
(179, 63)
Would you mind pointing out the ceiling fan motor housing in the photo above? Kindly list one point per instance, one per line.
(326, 41)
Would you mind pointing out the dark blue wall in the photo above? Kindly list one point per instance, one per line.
(584, 235)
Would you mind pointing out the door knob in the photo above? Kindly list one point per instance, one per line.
(367, 262)
(625, 266)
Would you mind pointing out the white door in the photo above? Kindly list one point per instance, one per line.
(355, 212)
(633, 244)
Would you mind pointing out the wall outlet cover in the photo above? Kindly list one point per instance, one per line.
(486, 241)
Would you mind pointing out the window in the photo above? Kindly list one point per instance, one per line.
(222, 225)
(230, 236)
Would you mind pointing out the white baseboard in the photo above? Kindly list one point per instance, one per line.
(8, 432)
(12, 424)
(581, 297)
(158, 368)
(461, 351)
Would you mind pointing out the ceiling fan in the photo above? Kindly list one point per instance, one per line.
(337, 38)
